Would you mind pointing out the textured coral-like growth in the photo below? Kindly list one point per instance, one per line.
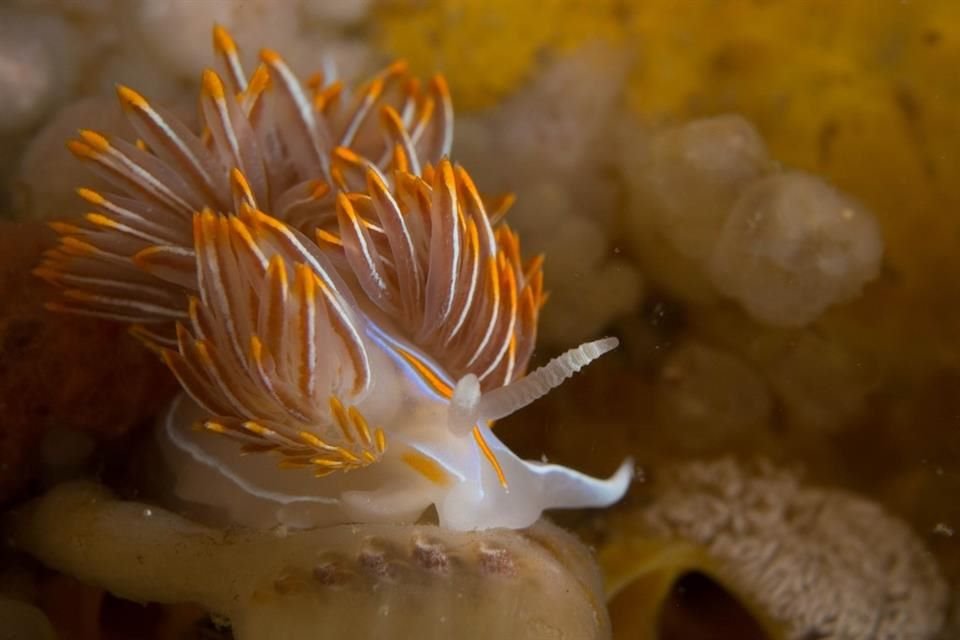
(826, 563)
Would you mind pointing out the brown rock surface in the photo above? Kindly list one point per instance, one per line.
(60, 371)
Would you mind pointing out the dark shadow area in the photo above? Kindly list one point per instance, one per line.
(700, 609)
(697, 608)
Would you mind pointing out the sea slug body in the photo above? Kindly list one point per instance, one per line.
(333, 294)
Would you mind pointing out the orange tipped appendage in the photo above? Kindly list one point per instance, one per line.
(223, 42)
(212, 85)
(130, 99)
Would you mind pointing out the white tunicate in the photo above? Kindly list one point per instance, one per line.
(588, 288)
(710, 397)
(255, 24)
(821, 384)
(598, 198)
(690, 175)
(574, 247)
(176, 33)
(554, 123)
(136, 67)
(793, 246)
(657, 257)
(49, 173)
(540, 208)
(80, 8)
(35, 66)
(351, 58)
(590, 302)
(474, 147)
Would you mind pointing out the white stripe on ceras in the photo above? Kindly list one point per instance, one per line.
(169, 136)
(153, 338)
(129, 304)
(114, 208)
(104, 222)
(244, 243)
(479, 215)
(273, 391)
(400, 239)
(226, 127)
(213, 284)
(422, 120)
(360, 113)
(448, 124)
(304, 109)
(119, 285)
(145, 180)
(91, 251)
(334, 298)
(184, 276)
(103, 315)
(511, 326)
(231, 61)
(473, 277)
(361, 237)
(493, 302)
(227, 285)
(399, 131)
(306, 292)
(442, 103)
(273, 306)
(444, 201)
(214, 373)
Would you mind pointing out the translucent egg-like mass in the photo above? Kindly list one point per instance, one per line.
(793, 246)
(693, 174)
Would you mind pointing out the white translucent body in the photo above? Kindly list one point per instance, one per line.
(464, 488)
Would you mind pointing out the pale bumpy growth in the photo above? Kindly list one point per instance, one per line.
(49, 174)
(692, 175)
(784, 244)
(36, 66)
(793, 246)
(710, 398)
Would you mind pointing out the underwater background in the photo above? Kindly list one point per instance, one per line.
(794, 410)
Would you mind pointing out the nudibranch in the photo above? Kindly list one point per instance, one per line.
(335, 297)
